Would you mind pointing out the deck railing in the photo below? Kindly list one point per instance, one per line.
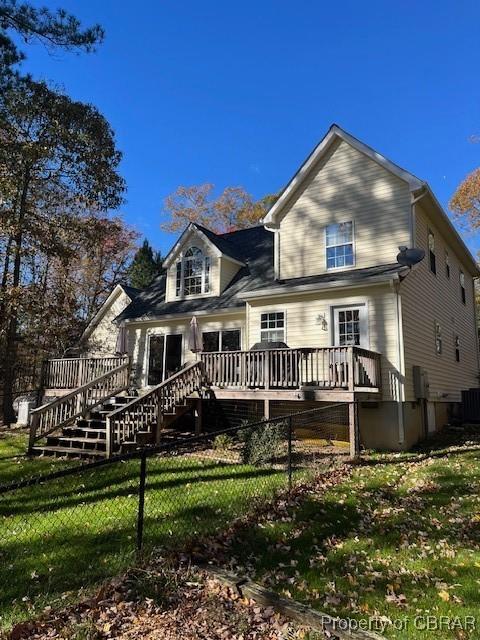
(70, 373)
(65, 410)
(325, 367)
(146, 412)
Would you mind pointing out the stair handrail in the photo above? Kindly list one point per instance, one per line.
(64, 410)
(148, 409)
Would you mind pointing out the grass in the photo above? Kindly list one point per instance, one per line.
(71, 533)
(397, 542)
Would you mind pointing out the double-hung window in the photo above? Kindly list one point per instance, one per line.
(462, 287)
(339, 245)
(447, 264)
(438, 338)
(272, 327)
(192, 275)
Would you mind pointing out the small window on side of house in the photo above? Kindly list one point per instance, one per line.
(431, 252)
(457, 348)
(438, 338)
(447, 264)
(272, 327)
(462, 287)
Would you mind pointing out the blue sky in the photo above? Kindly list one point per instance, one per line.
(239, 93)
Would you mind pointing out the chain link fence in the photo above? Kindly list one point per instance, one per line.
(77, 526)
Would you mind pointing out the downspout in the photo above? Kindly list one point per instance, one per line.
(401, 363)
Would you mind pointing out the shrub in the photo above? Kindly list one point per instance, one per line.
(223, 442)
(263, 443)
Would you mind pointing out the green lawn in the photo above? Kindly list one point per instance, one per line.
(73, 532)
(399, 540)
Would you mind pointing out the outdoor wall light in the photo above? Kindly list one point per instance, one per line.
(322, 321)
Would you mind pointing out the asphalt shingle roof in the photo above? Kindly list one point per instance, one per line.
(254, 247)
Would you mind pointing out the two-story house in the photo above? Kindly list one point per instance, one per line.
(321, 277)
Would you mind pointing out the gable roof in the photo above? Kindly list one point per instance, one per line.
(130, 292)
(415, 184)
(220, 244)
(255, 245)
(335, 133)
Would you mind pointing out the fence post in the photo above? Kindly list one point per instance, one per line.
(289, 454)
(141, 500)
(354, 432)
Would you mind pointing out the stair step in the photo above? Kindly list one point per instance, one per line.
(69, 431)
(67, 451)
(72, 439)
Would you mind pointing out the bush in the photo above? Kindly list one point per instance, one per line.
(223, 442)
(263, 443)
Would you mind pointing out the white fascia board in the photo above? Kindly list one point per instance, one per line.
(186, 316)
(189, 231)
(97, 317)
(335, 132)
(312, 288)
(452, 229)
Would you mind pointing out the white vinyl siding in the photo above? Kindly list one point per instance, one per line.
(103, 339)
(306, 326)
(228, 270)
(140, 333)
(428, 299)
(347, 186)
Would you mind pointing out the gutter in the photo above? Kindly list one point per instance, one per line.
(182, 315)
(313, 288)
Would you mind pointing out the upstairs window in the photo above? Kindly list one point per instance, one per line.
(447, 264)
(438, 338)
(457, 348)
(339, 245)
(272, 327)
(192, 276)
(431, 252)
(462, 287)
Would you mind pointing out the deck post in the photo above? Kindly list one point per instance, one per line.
(354, 432)
(199, 420)
(350, 369)
(266, 409)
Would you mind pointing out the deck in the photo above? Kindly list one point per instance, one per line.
(309, 373)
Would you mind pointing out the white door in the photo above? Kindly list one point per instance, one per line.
(350, 326)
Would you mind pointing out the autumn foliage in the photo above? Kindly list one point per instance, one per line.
(233, 209)
(465, 202)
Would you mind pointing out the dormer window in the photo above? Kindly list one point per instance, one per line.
(193, 273)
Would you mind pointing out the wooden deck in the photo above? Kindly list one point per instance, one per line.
(314, 373)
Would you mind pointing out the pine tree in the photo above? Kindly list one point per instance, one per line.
(146, 264)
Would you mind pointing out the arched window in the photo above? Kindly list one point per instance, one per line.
(193, 273)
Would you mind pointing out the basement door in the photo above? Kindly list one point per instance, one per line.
(164, 357)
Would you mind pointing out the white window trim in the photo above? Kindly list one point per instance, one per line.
(155, 333)
(327, 246)
(239, 328)
(363, 305)
(181, 259)
(438, 335)
(284, 311)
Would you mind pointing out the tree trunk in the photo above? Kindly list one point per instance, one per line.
(10, 346)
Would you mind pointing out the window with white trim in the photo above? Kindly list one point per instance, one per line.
(447, 264)
(457, 348)
(226, 340)
(438, 338)
(272, 326)
(339, 245)
(462, 287)
(192, 276)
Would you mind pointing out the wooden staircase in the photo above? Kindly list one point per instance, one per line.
(115, 423)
